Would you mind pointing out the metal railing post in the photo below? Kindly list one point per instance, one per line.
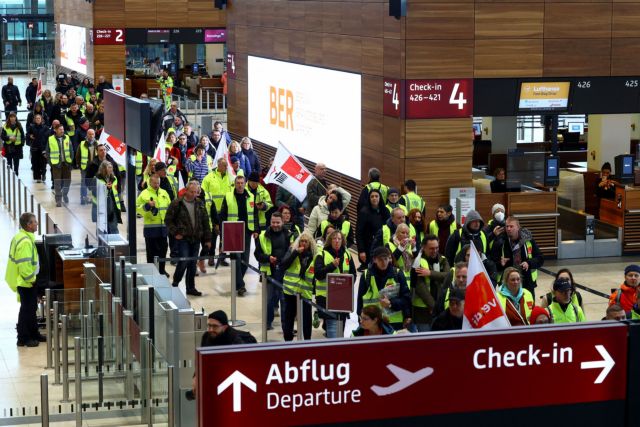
(235, 263)
(56, 343)
(100, 369)
(90, 328)
(118, 332)
(149, 379)
(44, 400)
(47, 323)
(19, 212)
(64, 346)
(87, 342)
(127, 317)
(24, 193)
(265, 303)
(299, 317)
(144, 361)
(78, 381)
(40, 219)
(171, 417)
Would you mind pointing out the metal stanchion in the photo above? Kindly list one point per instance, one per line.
(265, 303)
(128, 353)
(40, 219)
(90, 328)
(144, 367)
(56, 343)
(149, 379)
(118, 332)
(64, 346)
(299, 316)
(156, 262)
(234, 292)
(19, 212)
(44, 400)
(47, 323)
(340, 327)
(152, 308)
(24, 192)
(78, 382)
(87, 342)
(33, 204)
(100, 369)
(12, 197)
(171, 420)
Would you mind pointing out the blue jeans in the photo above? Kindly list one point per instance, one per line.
(83, 185)
(274, 294)
(186, 249)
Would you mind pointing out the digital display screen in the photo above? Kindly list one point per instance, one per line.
(158, 36)
(605, 95)
(73, 47)
(627, 165)
(552, 168)
(544, 96)
(215, 35)
(315, 112)
(477, 129)
(576, 127)
(187, 35)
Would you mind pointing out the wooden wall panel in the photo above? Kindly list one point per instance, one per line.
(108, 14)
(394, 137)
(444, 138)
(577, 20)
(577, 57)
(435, 59)
(440, 21)
(626, 20)
(201, 13)
(372, 94)
(109, 60)
(508, 58)
(372, 131)
(372, 55)
(166, 11)
(140, 13)
(394, 57)
(435, 176)
(622, 62)
(505, 20)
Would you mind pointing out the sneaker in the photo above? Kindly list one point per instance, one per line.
(194, 292)
(316, 320)
(58, 204)
(31, 343)
(242, 292)
(175, 285)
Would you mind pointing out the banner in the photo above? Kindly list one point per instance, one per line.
(482, 309)
(115, 148)
(288, 172)
(160, 154)
(223, 152)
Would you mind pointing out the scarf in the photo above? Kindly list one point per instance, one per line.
(515, 299)
(407, 258)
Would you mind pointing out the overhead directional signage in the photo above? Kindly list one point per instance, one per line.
(353, 380)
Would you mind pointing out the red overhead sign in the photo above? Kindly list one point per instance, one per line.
(108, 36)
(390, 377)
(435, 99)
(393, 99)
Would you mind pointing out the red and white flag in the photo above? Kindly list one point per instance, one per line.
(482, 309)
(115, 148)
(160, 153)
(39, 90)
(223, 152)
(289, 172)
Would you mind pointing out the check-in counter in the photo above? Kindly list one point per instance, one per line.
(624, 211)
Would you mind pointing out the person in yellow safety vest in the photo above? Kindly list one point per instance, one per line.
(13, 140)
(451, 318)
(426, 281)
(444, 225)
(79, 101)
(516, 301)
(470, 232)
(288, 224)
(495, 228)
(139, 169)
(239, 205)
(411, 199)
(216, 185)
(298, 279)
(456, 278)
(262, 198)
(172, 162)
(518, 249)
(402, 247)
(338, 218)
(333, 258)
(60, 156)
(393, 201)
(374, 184)
(23, 267)
(71, 121)
(91, 92)
(84, 156)
(617, 313)
(562, 310)
(576, 297)
(383, 236)
(166, 87)
(152, 204)
(385, 286)
(106, 176)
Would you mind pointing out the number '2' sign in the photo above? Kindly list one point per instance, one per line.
(443, 98)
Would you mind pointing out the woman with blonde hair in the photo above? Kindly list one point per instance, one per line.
(298, 279)
(402, 248)
(150, 170)
(235, 150)
(516, 300)
(107, 177)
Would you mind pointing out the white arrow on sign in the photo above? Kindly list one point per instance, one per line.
(236, 379)
(606, 364)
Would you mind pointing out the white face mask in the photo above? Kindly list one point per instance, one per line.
(499, 216)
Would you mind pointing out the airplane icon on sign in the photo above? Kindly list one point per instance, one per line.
(405, 379)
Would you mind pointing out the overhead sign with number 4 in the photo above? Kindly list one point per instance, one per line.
(435, 99)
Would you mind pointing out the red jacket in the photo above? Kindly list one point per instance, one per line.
(626, 300)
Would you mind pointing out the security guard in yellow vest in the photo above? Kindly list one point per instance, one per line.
(166, 87)
(412, 200)
(60, 155)
(562, 309)
(262, 198)
(22, 269)
(84, 156)
(239, 205)
(385, 286)
(426, 282)
(470, 232)
(13, 139)
(516, 301)
(298, 279)
(152, 204)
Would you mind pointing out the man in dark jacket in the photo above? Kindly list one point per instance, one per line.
(451, 318)
(318, 186)
(371, 218)
(103, 84)
(37, 139)
(519, 250)
(427, 281)
(471, 231)
(10, 97)
(31, 92)
(374, 184)
(188, 222)
(219, 332)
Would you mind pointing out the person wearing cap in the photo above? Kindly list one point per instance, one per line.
(235, 165)
(518, 249)
(471, 232)
(444, 225)
(494, 229)
(333, 258)
(576, 297)
(516, 301)
(539, 316)
(167, 182)
(426, 281)
(456, 278)
(615, 312)
(262, 198)
(411, 199)
(393, 201)
(84, 156)
(152, 205)
(385, 286)
(216, 185)
(339, 219)
(239, 205)
(561, 309)
(626, 295)
(219, 332)
(451, 318)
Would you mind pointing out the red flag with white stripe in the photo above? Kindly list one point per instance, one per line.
(160, 153)
(115, 148)
(289, 172)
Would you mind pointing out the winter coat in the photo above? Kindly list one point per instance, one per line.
(179, 222)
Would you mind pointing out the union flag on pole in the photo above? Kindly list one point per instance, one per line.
(482, 309)
(160, 153)
(289, 172)
(115, 148)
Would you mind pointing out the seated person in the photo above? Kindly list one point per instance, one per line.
(605, 188)
(499, 184)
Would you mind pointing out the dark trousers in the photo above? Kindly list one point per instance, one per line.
(186, 249)
(241, 268)
(14, 162)
(27, 321)
(173, 251)
(274, 293)
(290, 310)
(38, 165)
(156, 247)
(62, 180)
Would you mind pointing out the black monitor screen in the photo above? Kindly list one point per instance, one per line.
(494, 97)
(158, 36)
(627, 165)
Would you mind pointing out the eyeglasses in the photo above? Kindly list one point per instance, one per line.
(213, 326)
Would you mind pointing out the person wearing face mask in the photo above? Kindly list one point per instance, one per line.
(499, 184)
(444, 225)
(371, 218)
(427, 278)
(495, 227)
(471, 232)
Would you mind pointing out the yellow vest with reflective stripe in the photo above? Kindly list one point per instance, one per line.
(483, 239)
(138, 163)
(13, 132)
(84, 155)
(413, 201)
(380, 187)
(528, 303)
(386, 233)
(327, 258)
(23, 265)
(71, 131)
(114, 190)
(232, 209)
(529, 251)
(372, 296)
(345, 228)
(435, 229)
(262, 195)
(294, 284)
(161, 198)
(216, 186)
(403, 207)
(399, 263)
(54, 150)
(573, 314)
(265, 245)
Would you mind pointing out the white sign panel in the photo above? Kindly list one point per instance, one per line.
(315, 112)
(101, 207)
(73, 47)
(467, 199)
